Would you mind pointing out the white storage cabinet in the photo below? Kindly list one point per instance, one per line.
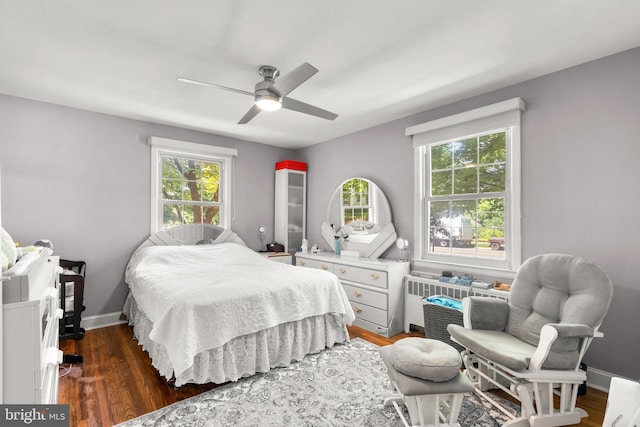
(290, 204)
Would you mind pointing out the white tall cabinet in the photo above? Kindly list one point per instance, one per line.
(290, 204)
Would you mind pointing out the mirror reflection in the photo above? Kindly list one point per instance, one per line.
(360, 215)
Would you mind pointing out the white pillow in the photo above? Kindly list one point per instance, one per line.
(4, 262)
(8, 247)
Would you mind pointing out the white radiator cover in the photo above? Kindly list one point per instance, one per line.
(419, 287)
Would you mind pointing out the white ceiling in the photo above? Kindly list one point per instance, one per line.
(378, 60)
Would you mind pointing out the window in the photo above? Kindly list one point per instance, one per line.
(190, 184)
(468, 190)
(356, 201)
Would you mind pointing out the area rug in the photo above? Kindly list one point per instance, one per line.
(341, 386)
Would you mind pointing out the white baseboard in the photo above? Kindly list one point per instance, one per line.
(101, 320)
(600, 380)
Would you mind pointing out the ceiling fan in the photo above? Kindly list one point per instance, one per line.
(271, 94)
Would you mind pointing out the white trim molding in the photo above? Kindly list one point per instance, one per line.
(186, 148)
(502, 115)
(225, 155)
(102, 320)
(497, 109)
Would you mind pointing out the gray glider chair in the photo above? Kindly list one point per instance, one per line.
(531, 346)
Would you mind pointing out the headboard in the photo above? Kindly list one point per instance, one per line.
(192, 234)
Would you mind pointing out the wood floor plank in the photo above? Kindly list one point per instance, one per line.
(116, 382)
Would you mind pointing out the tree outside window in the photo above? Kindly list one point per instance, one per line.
(190, 191)
(466, 197)
(356, 201)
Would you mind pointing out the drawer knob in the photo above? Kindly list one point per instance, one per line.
(324, 267)
(356, 293)
(374, 276)
(342, 270)
(357, 309)
(301, 262)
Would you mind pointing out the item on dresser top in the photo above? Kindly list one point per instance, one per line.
(44, 243)
(275, 247)
(304, 248)
(260, 308)
(336, 245)
(314, 249)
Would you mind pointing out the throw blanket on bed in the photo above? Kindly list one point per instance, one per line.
(200, 297)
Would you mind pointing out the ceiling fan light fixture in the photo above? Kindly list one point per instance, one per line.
(268, 102)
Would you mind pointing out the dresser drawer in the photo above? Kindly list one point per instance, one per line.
(382, 330)
(365, 296)
(312, 263)
(370, 314)
(361, 275)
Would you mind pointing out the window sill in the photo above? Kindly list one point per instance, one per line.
(484, 273)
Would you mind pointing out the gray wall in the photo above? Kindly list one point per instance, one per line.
(82, 180)
(580, 171)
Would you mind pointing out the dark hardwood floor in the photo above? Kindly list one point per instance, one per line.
(116, 381)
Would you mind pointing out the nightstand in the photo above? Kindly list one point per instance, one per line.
(282, 257)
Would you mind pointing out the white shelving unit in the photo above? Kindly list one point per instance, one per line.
(290, 204)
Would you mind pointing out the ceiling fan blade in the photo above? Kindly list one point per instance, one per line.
(198, 82)
(285, 84)
(249, 115)
(301, 107)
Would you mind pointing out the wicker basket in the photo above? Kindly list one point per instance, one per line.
(436, 319)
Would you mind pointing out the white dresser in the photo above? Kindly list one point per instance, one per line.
(374, 288)
(30, 347)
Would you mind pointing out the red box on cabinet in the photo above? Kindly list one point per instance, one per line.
(291, 164)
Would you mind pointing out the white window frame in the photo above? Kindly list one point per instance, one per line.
(502, 115)
(173, 147)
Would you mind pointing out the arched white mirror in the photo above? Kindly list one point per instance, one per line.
(359, 213)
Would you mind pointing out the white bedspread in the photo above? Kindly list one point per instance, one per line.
(200, 297)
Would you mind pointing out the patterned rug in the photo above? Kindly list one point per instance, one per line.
(341, 386)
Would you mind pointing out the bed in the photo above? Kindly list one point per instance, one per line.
(208, 309)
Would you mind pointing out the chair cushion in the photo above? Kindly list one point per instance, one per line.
(556, 288)
(412, 386)
(426, 359)
(497, 346)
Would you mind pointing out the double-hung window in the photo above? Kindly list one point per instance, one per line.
(191, 184)
(356, 201)
(467, 201)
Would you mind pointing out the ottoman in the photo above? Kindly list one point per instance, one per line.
(425, 376)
